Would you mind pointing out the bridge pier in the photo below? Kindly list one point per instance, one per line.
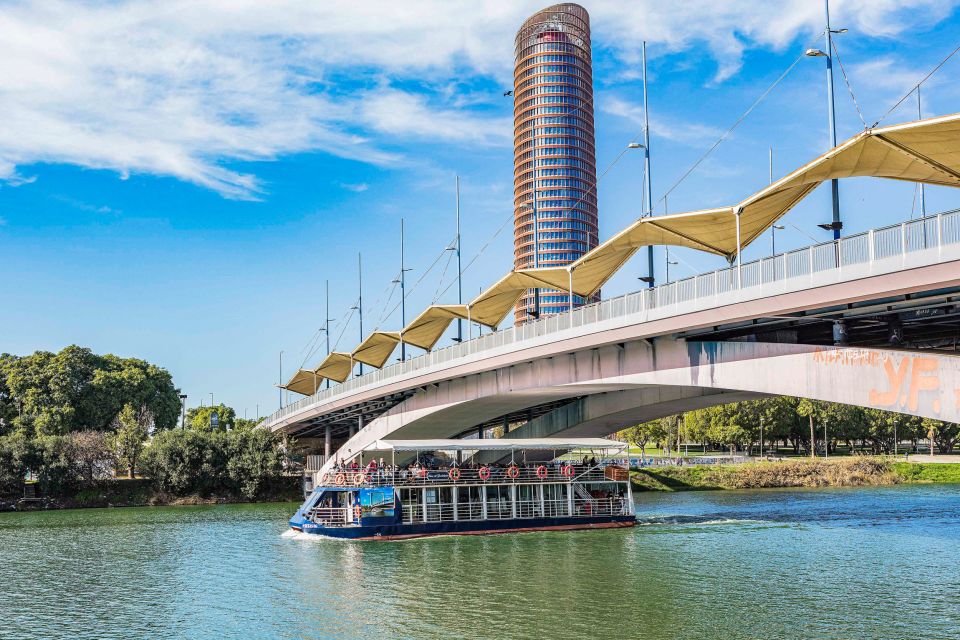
(327, 442)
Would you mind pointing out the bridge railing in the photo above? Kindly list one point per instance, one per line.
(682, 296)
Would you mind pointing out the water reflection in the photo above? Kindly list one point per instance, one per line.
(825, 564)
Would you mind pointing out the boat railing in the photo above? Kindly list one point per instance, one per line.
(528, 474)
(330, 516)
(501, 509)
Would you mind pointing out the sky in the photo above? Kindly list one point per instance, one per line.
(180, 179)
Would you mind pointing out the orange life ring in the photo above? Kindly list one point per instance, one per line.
(454, 473)
(360, 478)
(356, 512)
(325, 479)
(542, 472)
(513, 471)
(568, 470)
(484, 473)
(341, 480)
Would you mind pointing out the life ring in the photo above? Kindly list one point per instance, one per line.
(542, 472)
(484, 473)
(454, 473)
(360, 478)
(513, 471)
(568, 470)
(341, 480)
(327, 477)
(356, 512)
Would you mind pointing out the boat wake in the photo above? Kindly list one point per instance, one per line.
(697, 520)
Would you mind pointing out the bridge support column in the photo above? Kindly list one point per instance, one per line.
(327, 442)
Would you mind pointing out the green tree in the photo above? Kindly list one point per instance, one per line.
(253, 458)
(200, 418)
(945, 434)
(129, 437)
(181, 462)
(18, 455)
(645, 432)
(77, 390)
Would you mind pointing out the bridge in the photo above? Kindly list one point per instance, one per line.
(870, 319)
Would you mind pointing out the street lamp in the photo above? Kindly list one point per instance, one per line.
(183, 411)
(649, 279)
(773, 238)
(666, 251)
(836, 225)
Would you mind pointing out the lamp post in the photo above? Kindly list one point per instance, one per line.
(666, 252)
(773, 238)
(835, 225)
(646, 161)
(183, 411)
(280, 385)
(326, 325)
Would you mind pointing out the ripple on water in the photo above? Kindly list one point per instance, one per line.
(786, 564)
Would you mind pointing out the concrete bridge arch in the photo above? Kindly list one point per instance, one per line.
(618, 385)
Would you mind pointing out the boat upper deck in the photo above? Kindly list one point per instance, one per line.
(425, 475)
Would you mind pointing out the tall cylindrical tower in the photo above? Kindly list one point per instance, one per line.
(554, 157)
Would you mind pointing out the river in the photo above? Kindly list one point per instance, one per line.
(840, 563)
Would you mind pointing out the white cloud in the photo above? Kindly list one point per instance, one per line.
(191, 88)
(356, 188)
(405, 115)
(689, 133)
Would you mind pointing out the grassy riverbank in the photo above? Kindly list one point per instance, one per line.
(839, 472)
(141, 492)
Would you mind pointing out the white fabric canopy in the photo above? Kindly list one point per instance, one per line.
(926, 151)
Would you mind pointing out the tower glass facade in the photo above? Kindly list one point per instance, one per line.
(554, 157)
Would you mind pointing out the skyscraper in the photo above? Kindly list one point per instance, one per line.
(554, 155)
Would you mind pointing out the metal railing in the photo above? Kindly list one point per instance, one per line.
(794, 270)
(540, 474)
(331, 516)
(518, 509)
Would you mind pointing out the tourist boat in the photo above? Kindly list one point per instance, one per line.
(418, 488)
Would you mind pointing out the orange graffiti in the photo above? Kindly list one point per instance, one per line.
(906, 392)
(923, 377)
(895, 378)
(847, 356)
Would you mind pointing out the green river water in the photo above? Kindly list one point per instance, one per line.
(842, 563)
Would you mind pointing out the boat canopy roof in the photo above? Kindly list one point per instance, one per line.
(492, 444)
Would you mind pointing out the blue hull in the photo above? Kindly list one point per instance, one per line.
(463, 527)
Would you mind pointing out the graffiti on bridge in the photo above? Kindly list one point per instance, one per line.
(910, 382)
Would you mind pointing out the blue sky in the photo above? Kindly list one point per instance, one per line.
(179, 179)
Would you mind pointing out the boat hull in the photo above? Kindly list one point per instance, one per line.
(462, 527)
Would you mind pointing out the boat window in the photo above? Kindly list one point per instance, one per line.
(378, 502)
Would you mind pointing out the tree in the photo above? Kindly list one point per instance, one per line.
(252, 459)
(18, 455)
(77, 390)
(200, 418)
(91, 454)
(645, 432)
(180, 462)
(130, 433)
(945, 434)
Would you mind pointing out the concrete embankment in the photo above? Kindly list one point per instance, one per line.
(838, 472)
